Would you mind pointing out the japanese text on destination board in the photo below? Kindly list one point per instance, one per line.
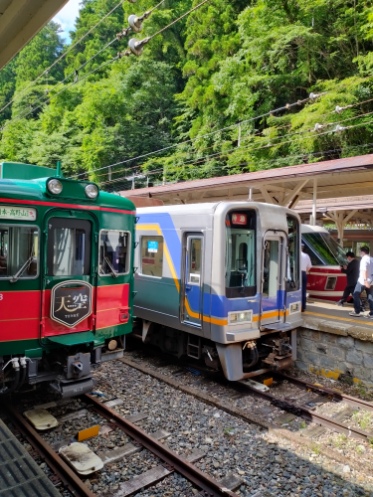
(17, 213)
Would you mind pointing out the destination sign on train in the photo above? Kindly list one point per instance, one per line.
(17, 213)
(238, 218)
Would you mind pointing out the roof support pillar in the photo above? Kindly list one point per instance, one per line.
(340, 218)
(314, 201)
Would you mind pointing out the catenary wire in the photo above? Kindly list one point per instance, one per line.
(228, 127)
(64, 54)
(203, 159)
(272, 162)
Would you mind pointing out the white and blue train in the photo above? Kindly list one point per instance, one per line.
(220, 282)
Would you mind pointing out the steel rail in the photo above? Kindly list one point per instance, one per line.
(53, 460)
(307, 413)
(178, 464)
(328, 391)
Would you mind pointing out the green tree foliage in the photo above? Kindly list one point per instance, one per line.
(233, 86)
(283, 51)
(95, 30)
(7, 87)
(38, 56)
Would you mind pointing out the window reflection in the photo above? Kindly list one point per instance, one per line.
(151, 255)
(69, 247)
(114, 253)
(19, 249)
(323, 249)
(240, 274)
(292, 271)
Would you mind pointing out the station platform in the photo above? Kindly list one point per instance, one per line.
(19, 473)
(328, 316)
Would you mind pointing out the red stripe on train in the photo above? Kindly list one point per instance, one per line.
(67, 206)
(20, 313)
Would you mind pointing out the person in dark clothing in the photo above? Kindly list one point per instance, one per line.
(352, 274)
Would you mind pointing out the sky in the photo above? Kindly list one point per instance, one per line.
(66, 17)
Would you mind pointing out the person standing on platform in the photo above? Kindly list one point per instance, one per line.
(305, 266)
(363, 283)
(352, 274)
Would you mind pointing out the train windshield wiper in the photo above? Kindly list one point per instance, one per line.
(110, 266)
(21, 270)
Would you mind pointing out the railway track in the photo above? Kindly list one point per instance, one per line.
(61, 470)
(208, 486)
(131, 467)
(300, 409)
(169, 461)
(302, 401)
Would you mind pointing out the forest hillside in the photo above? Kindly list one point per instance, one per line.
(213, 88)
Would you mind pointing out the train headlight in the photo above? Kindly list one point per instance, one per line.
(91, 191)
(240, 317)
(55, 186)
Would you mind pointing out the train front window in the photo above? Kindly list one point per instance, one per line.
(240, 274)
(323, 249)
(19, 249)
(114, 252)
(69, 247)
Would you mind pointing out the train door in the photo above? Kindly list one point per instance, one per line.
(192, 287)
(69, 296)
(273, 294)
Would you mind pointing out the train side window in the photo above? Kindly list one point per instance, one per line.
(152, 256)
(114, 252)
(19, 252)
(195, 261)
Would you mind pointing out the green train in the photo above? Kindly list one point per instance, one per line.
(66, 278)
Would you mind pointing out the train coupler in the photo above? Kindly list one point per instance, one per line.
(281, 356)
(277, 363)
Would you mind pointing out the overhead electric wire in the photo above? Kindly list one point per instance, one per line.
(271, 112)
(33, 109)
(244, 164)
(141, 43)
(241, 123)
(64, 54)
(76, 71)
(179, 18)
(248, 148)
(270, 144)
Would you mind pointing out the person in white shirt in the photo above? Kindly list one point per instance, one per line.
(363, 283)
(305, 267)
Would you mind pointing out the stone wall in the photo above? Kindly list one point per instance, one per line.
(336, 350)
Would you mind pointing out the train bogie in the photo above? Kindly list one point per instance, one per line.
(220, 282)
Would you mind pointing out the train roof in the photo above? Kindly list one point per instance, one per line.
(18, 170)
(204, 207)
(29, 182)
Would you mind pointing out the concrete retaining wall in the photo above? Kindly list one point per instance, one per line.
(336, 350)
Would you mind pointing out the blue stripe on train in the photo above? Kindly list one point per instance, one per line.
(213, 305)
(170, 236)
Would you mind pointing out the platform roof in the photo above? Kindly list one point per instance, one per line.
(288, 186)
(338, 191)
(20, 20)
